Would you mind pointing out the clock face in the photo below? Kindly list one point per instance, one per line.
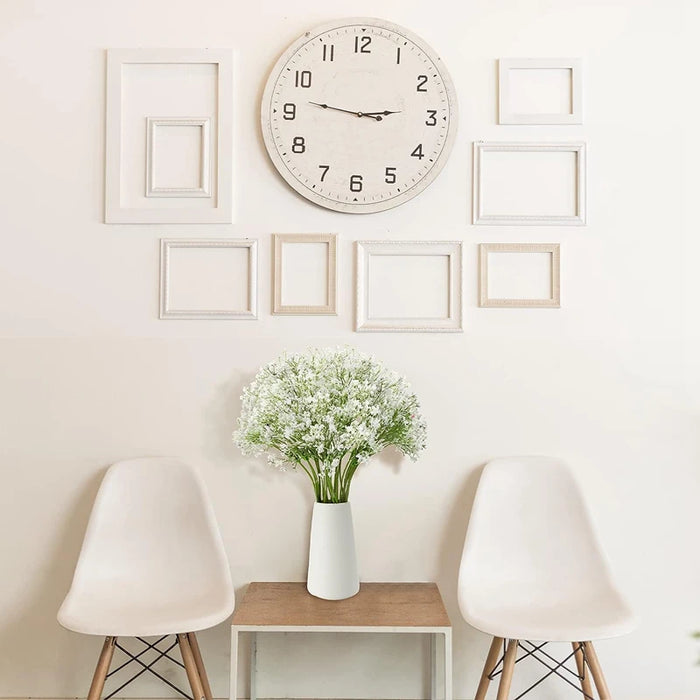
(359, 115)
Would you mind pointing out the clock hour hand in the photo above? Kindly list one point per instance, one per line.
(384, 113)
(349, 111)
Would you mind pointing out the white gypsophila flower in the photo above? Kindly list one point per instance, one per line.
(328, 411)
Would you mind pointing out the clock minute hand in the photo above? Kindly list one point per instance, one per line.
(348, 111)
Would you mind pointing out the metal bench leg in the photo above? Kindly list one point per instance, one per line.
(253, 666)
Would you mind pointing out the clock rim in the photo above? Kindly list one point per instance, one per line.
(349, 207)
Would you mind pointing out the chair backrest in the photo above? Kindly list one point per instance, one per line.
(529, 528)
(152, 526)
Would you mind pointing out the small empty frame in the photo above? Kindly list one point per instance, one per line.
(409, 286)
(529, 183)
(540, 91)
(304, 273)
(178, 157)
(519, 275)
(169, 136)
(208, 279)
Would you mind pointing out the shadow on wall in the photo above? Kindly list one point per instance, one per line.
(464, 637)
(24, 639)
(453, 541)
(221, 419)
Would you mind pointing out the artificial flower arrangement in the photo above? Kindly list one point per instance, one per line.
(327, 412)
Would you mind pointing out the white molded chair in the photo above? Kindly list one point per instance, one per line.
(152, 564)
(533, 572)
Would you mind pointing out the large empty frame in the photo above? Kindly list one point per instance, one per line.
(304, 273)
(529, 183)
(410, 286)
(540, 91)
(208, 279)
(549, 270)
(169, 136)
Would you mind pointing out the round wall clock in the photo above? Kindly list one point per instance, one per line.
(359, 115)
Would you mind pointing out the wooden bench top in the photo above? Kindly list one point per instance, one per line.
(376, 605)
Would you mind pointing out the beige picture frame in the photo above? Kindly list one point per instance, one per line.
(279, 240)
(553, 302)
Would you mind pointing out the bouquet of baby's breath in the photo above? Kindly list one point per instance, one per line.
(328, 411)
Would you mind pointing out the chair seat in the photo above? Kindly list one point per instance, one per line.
(578, 617)
(114, 612)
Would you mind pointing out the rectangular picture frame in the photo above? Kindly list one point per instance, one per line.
(505, 113)
(452, 323)
(166, 309)
(554, 302)
(204, 187)
(481, 151)
(221, 175)
(278, 242)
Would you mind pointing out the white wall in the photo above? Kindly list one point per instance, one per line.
(610, 382)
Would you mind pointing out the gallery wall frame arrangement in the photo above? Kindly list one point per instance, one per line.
(549, 273)
(513, 183)
(290, 271)
(540, 91)
(169, 150)
(208, 279)
(408, 286)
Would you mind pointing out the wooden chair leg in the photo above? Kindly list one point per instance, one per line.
(190, 667)
(597, 673)
(582, 670)
(507, 674)
(194, 645)
(98, 678)
(491, 660)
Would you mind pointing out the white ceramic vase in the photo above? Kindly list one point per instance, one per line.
(332, 559)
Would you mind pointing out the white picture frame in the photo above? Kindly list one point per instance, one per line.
(167, 309)
(367, 321)
(203, 189)
(577, 217)
(507, 113)
(554, 300)
(216, 160)
(279, 241)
